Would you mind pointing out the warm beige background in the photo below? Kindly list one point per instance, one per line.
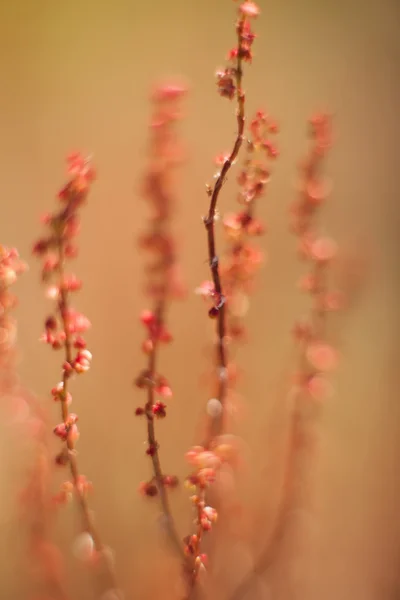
(74, 75)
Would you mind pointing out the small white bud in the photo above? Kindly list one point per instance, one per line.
(214, 408)
(83, 546)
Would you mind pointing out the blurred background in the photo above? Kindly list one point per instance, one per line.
(75, 76)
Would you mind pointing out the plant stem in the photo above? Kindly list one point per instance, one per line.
(216, 424)
(152, 442)
(87, 518)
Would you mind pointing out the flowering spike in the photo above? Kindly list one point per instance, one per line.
(163, 282)
(65, 326)
(229, 83)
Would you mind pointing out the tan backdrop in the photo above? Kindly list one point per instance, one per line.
(75, 75)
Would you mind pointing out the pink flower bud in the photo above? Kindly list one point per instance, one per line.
(46, 218)
(192, 454)
(148, 346)
(170, 481)
(164, 391)
(319, 388)
(165, 336)
(58, 389)
(84, 355)
(205, 524)
(206, 289)
(71, 283)
(210, 513)
(323, 249)
(79, 343)
(249, 9)
(148, 318)
(322, 356)
(83, 485)
(81, 366)
(208, 459)
(61, 431)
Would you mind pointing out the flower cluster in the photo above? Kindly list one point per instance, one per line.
(11, 266)
(163, 281)
(64, 330)
(227, 78)
(318, 356)
(243, 258)
(205, 464)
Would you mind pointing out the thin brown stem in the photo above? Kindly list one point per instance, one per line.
(87, 518)
(152, 441)
(222, 361)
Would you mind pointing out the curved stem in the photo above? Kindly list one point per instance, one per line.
(217, 422)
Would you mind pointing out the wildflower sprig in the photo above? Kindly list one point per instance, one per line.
(163, 283)
(205, 458)
(64, 330)
(317, 356)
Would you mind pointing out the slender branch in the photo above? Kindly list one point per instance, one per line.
(205, 458)
(87, 519)
(62, 332)
(162, 284)
(152, 443)
(216, 423)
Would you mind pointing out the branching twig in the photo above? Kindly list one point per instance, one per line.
(63, 330)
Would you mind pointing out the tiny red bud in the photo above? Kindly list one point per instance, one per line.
(147, 317)
(213, 312)
(61, 431)
(61, 459)
(79, 343)
(151, 490)
(158, 410)
(67, 367)
(164, 391)
(51, 323)
(151, 450)
(170, 481)
(40, 247)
